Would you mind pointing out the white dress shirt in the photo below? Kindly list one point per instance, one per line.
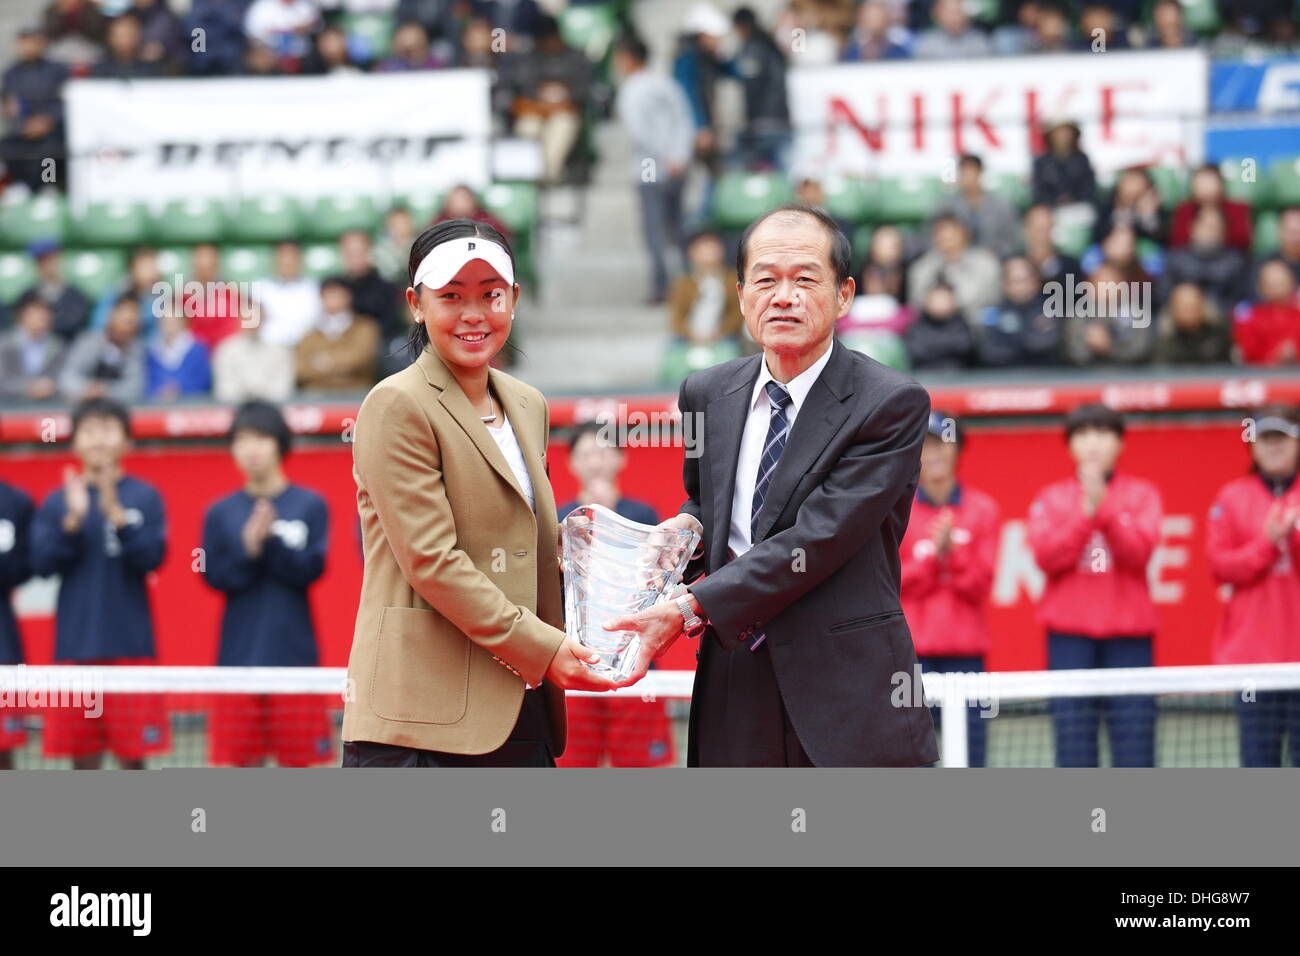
(755, 437)
(509, 445)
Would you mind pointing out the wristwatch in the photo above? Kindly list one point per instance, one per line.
(692, 624)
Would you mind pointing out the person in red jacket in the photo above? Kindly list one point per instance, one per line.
(1253, 545)
(1207, 192)
(1093, 534)
(1268, 331)
(948, 555)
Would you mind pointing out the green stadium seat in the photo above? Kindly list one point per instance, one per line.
(909, 198)
(246, 263)
(681, 358)
(1236, 184)
(370, 34)
(590, 28)
(424, 205)
(1072, 238)
(320, 259)
(1284, 183)
(1201, 16)
(515, 204)
(262, 219)
(174, 260)
(187, 222)
(27, 220)
(1170, 182)
(740, 198)
(329, 218)
(884, 346)
(1264, 234)
(114, 223)
(17, 275)
(95, 271)
(1012, 187)
(847, 198)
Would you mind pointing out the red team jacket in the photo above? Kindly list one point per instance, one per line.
(1096, 567)
(945, 601)
(1261, 622)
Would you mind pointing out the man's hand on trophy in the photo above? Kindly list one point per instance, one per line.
(658, 626)
(568, 671)
(681, 522)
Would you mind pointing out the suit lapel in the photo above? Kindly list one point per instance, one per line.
(724, 425)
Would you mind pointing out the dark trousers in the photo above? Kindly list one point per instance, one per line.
(529, 745)
(1130, 719)
(976, 726)
(1263, 722)
(738, 718)
(661, 220)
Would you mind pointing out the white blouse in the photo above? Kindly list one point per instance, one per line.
(509, 445)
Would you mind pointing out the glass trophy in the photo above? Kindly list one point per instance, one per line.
(614, 567)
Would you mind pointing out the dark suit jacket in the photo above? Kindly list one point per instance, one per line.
(822, 578)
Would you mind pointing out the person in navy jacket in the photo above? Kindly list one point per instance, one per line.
(103, 532)
(263, 548)
(15, 528)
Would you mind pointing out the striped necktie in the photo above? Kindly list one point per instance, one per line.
(778, 429)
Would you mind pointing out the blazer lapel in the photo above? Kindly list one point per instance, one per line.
(822, 415)
(521, 414)
(724, 425)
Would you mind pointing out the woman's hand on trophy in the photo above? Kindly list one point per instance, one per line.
(658, 625)
(569, 672)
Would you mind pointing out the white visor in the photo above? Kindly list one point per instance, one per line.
(447, 258)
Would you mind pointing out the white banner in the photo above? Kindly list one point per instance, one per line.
(357, 134)
(916, 116)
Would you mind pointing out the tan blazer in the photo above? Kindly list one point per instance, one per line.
(460, 602)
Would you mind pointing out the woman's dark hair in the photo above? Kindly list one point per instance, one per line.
(1094, 416)
(447, 230)
(264, 419)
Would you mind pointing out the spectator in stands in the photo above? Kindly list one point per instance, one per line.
(411, 51)
(1040, 249)
(877, 304)
(1288, 236)
(16, 511)
(339, 353)
(212, 306)
(462, 202)
(1268, 331)
(31, 95)
(657, 117)
(441, 20)
(1220, 270)
(286, 26)
(260, 60)
(1168, 30)
(142, 284)
(952, 36)
(696, 68)
(989, 218)
(330, 54)
(811, 192)
(1015, 38)
(31, 355)
(1051, 33)
(103, 533)
(76, 30)
(394, 244)
(478, 47)
(1093, 535)
(1018, 331)
(947, 560)
(972, 272)
(1191, 330)
(221, 24)
(626, 732)
(702, 306)
(549, 84)
(520, 19)
(764, 140)
(806, 35)
(1134, 202)
(1062, 173)
(162, 39)
(108, 363)
(69, 306)
(1114, 327)
(289, 301)
(1099, 29)
(177, 365)
(372, 294)
(1207, 190)
(875, 37)
(1253, 547)
(124, 61)
(887, 254)
(940, 338)
(266, 545)
(1119, 248)
(247, 367)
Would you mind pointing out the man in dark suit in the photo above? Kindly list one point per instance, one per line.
(801, 488)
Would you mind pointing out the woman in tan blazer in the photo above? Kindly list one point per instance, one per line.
(459, 657)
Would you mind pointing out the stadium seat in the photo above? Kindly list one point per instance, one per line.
(1264, 234)
(589, 28)
(1012, 187)
(907, 198)
(1201, 16)
(116, 223)
(515, 204)
(847, 198)
(38, 217)
(1244, 181)
(884, 346)
(1072, 238)
(1284, 183)
(320, 259)
(1170, 182)
(246, 263)
(329, 218)
(95, 271)
(173, 260)
(740, 198)
(370, 35)
(262, 219)
(424, 205)
(682, 358)
(17, 275)
(187, 221)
